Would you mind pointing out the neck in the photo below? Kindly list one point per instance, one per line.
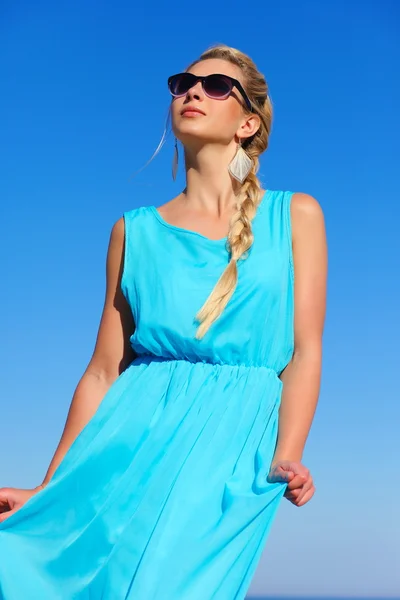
(209, 186)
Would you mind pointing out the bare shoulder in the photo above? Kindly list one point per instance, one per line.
(307, 216)
(116, 246)
(118, 230)
(306, 205)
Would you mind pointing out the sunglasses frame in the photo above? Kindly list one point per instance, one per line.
(234, 83)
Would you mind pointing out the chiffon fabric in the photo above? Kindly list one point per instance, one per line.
(164, 494)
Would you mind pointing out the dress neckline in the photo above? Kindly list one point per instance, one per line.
(223, 240)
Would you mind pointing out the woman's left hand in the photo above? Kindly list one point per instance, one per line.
(300, 488)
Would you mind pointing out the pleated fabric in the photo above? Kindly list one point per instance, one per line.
(164, 494)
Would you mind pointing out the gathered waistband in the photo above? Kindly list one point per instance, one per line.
(152, 358)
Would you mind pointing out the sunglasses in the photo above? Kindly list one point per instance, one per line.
(216, 86)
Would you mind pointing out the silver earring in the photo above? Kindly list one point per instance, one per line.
(175, 161)
(241, 164)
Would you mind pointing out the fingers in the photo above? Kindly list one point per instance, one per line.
(281, 477)
(292, 495)
(5, 515)
(297, 481)
(300, 486)
(4, 499)
(4, 492)
(307, 496)
(307, 486)
(297, 470)
(300, 496)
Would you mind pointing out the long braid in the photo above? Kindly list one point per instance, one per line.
(240, 239)
(240, 235)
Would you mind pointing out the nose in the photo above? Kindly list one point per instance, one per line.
(195, 92)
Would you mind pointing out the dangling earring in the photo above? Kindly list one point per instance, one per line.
(175, 161)
(241, 164)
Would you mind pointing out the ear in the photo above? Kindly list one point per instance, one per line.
(249, 126)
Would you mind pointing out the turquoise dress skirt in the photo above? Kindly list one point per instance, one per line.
(164, 493)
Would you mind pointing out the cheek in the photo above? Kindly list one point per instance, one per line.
(225, 119)
(175, 108)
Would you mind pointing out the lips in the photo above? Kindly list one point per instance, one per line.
(192, 109)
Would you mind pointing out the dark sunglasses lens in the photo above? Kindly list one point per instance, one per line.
(181, 83)
(217, 86)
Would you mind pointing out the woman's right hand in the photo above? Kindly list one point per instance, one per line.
(11, 499)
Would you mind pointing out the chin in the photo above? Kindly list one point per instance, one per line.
(188, 135)
(190, 132)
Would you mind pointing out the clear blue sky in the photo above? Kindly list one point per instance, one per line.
(82, 106)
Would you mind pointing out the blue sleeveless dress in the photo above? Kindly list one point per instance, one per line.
(164, 494)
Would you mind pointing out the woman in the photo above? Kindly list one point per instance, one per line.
(188, 426)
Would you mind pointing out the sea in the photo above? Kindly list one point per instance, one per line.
(320, 598)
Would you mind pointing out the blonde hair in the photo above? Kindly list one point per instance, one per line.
(240, 235)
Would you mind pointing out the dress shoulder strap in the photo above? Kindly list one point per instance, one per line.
(273, 225)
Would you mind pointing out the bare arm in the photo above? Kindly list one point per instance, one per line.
(111, 355)
(301, 378)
